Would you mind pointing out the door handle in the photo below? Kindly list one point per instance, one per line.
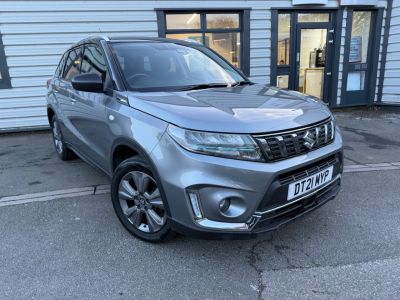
(328, 73)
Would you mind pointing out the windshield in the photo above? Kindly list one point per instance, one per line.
(168, 66)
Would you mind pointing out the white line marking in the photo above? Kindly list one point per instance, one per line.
(53, 195)
(105, 188)
(372, 167)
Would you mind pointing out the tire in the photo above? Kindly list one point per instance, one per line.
(139, 202)
(63, 152)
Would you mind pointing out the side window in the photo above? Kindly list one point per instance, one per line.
(5, 82)
(73, 64)
(60, 66)
(93, 61)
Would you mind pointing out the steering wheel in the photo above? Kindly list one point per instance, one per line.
(131, 79)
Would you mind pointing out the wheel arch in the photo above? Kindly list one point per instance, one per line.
(121, 143)
(50, 113)
(123, 149)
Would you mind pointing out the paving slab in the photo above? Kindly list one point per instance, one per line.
(29, 164)
(370, 136)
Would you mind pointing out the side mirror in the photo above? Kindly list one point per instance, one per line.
(88, 82)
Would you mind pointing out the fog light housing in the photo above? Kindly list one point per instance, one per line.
(224, 205)
(195, 203)
(232, 207)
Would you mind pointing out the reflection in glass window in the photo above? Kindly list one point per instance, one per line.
(222, 20)
(183, 21)
(73, 63)
(313, 17)
(93, 61)
(282, 81)
(312, 61)
(355, 81)
(197, 37)
(150, 65)
(60, 66)
(227, 44)
(283, 39)
(360, 36)
(218, 30)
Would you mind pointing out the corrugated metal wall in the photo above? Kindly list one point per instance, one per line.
(391, 87)
(36, 33)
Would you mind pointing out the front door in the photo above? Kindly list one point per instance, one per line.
(359, 55)
(90, 117)
(304, 53)
(312, 60)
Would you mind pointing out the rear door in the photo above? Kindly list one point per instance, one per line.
(90, 110)
(67, 105)
(54, 96)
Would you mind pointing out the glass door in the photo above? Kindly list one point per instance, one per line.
(358, 64)
(311, 60)
(304, 45)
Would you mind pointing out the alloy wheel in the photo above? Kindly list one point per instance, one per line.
(141, 202)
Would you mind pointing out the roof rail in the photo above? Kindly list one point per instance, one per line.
(98, 37)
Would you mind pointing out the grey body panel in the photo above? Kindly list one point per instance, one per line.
(243, 109)
(248, 180)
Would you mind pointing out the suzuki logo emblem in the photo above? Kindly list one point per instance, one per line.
(309, 139)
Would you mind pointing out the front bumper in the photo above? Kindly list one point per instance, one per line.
(259, 190)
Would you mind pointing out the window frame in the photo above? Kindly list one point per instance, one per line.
(65, 63)
(244, 28)
(5, 81)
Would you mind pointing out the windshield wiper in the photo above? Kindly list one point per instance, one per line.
(202, 86)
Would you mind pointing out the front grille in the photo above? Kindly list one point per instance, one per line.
(276, 195)
(286, 144)
(308, 170)
(281, 215)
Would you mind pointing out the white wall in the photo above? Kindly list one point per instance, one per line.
(36, 33)
(391, 87)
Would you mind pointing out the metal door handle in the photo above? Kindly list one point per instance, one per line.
(328, 73)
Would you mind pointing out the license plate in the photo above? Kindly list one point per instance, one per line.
(309, 183)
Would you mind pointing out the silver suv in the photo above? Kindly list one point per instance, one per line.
(192, 146)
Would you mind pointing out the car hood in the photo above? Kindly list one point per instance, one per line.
(242, 109)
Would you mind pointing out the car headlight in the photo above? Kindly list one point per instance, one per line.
(236, 146)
